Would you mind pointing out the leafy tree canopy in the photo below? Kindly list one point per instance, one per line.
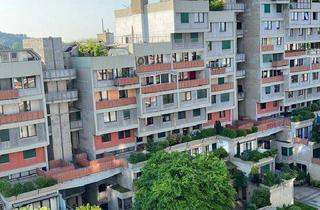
(182, 182)
(92, 48)
(88, 207)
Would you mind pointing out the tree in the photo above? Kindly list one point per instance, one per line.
(261, 197)
(216, 5)
(88, 207)
(182, 182)
(315, 135)
(239, 180)
(92, 48)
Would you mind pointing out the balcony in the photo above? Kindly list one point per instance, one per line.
(240, 57)
(240, 74)
(154, 67)
(299, 68)
(271, 123)
(315, 66)
(62, 96)
(295, 53)
(20, 117)
(193, 83)
(126, 81)
(115, 103)
(188, 64)
(62, 74)
(280, 63)
(266, 48)
(9, 94)
(218, 71)
(234, 7)
(241, 96)
(279, 78)
(158, 88)
(76, 125)
(226, 86)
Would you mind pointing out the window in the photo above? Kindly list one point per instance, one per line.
(278, 25)
(268, 90)
(194, 37)
(290, 94)
(279, 8)
(166, 118)
(318, 89)
(263, 106)
(222, 114)
(268, 25)
(184, 17)
(168, 99)
(315, 75)
(148, 121)
(161, 135)
(221, 81)
(277, 88)
(286, 151)
(124, 134)
(294, 79)
(202, 93)
(306, 16)
(24, 106)
(304, 77)
(126, 114)
(4, 135)
(279, 40)
(123, 93)
(110, 116)
(28, 131)
(106, 137)
(106, 74)
(300, 92)
(267, 8)
(267, 58)
(275, 104)
(150, 101)
(4, 159)
(196, 112)
(213, 99)
(177, 38)
(226, 44)
(199, 17)
(27, 154)
(309, 90)
(225, 97)
(24, 82)
(103, 95)
(223, 26)
(294, 16)
(181, 115)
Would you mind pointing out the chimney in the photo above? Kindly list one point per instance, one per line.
(137, 6)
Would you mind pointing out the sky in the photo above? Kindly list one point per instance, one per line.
(69, 19)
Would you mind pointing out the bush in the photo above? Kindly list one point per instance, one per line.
(271, 179)
(302, 114)
(255, 155)
(261, 197)
(216, 5)
(221, 153)
(153, 147)
(241, 132)
(254, 129)
(288, 173)
(186, 138)
(251, 207)
(218, 127)
(227, 132)
(138, 157)
(315, 183)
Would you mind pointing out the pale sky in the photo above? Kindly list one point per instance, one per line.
(69, 19)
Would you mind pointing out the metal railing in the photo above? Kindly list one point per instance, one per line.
(62, 96)
(59, 74)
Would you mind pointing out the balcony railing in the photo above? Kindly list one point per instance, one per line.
(267, 80)
(272, 123)
(280, 63)
(8, 94)
(76, 124)
(227, 86)
(188, 64)
(218, 71)
(126, 81)
(315, 66)
(57, 97)
(299, 68)
(266, 48)
(115, 103)
(20, 117)
(193, 83)
(234, 6)
(295, 53)
(154, 67)
(240, 57)
(240, 73)
(62, 74)
(159, 88)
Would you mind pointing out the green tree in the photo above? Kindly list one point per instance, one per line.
(240, 180)
(92, 48)
(315, 133)
(261, 197)
(182, 182)
(216, 5)
(88, 207)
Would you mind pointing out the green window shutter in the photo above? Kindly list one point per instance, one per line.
(226, 44)
(290, 150)
(4, 159)
(29, 154)
(184, 17)
(221, 81)
(267, 8)
(284, 151)
(4, 135)
(225, 97)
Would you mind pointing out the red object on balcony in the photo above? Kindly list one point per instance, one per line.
(158, 88)
(269, 108)
(265, 48)
(16, 160)
(280, 63)
(315, 66)
(295, 53)
(218, 71)
(115, 141)
(154, 67)
(227, 86)
(115, 103)
(193, 83)
(24, 116)
(188, 64)
(9, 94)
(126, 81)
(272, 79)
(299, 69)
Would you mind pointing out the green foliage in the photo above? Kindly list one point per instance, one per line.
(7, 189)
(288, 173)
(138, 157)
(220, 153)
(254, 174)
(29, 208)
(153, 147)
(251, 206)
(254, 129)
(230, 133)
(240, 179)
(186, 138)
(88, 207)
(271, 179)
(180, 181)
(315, 133)
(298, 206)
(241, 132)
(218, 127)
(261, 197)
(255, 155)
(302, 114)
(216, 5)
(92, 48)
(315, 183)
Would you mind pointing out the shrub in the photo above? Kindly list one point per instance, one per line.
(227, 132)
(251, 206)
(261, 197)
(254, 129)
(241, 132)
(138, 157)
(302, 114)
(216, 5)
(221, 153)
(153, 147)
(218, 127)
(271, 179)
(255, 155)
(288, 173)
(42, 182)
(239, 179)
(186, 138)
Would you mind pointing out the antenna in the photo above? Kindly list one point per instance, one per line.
(102, 25)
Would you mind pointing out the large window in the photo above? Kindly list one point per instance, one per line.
(202, 93)
(29, 154)
(186, 96)
(126, 114)
(110, 117)
(166, 118)
(24, 82)
(199, 17)
(24, 106)
(4, 159)
(181, 115)
(225, 97)
(4, 135)
(267, 8)
(168, 99)
(286, 151)
(184, 17)
(28, 131)
(106, 137)
(124, 134)
(150, 101)
(196, 112)
(226, 44)
(223, 26)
